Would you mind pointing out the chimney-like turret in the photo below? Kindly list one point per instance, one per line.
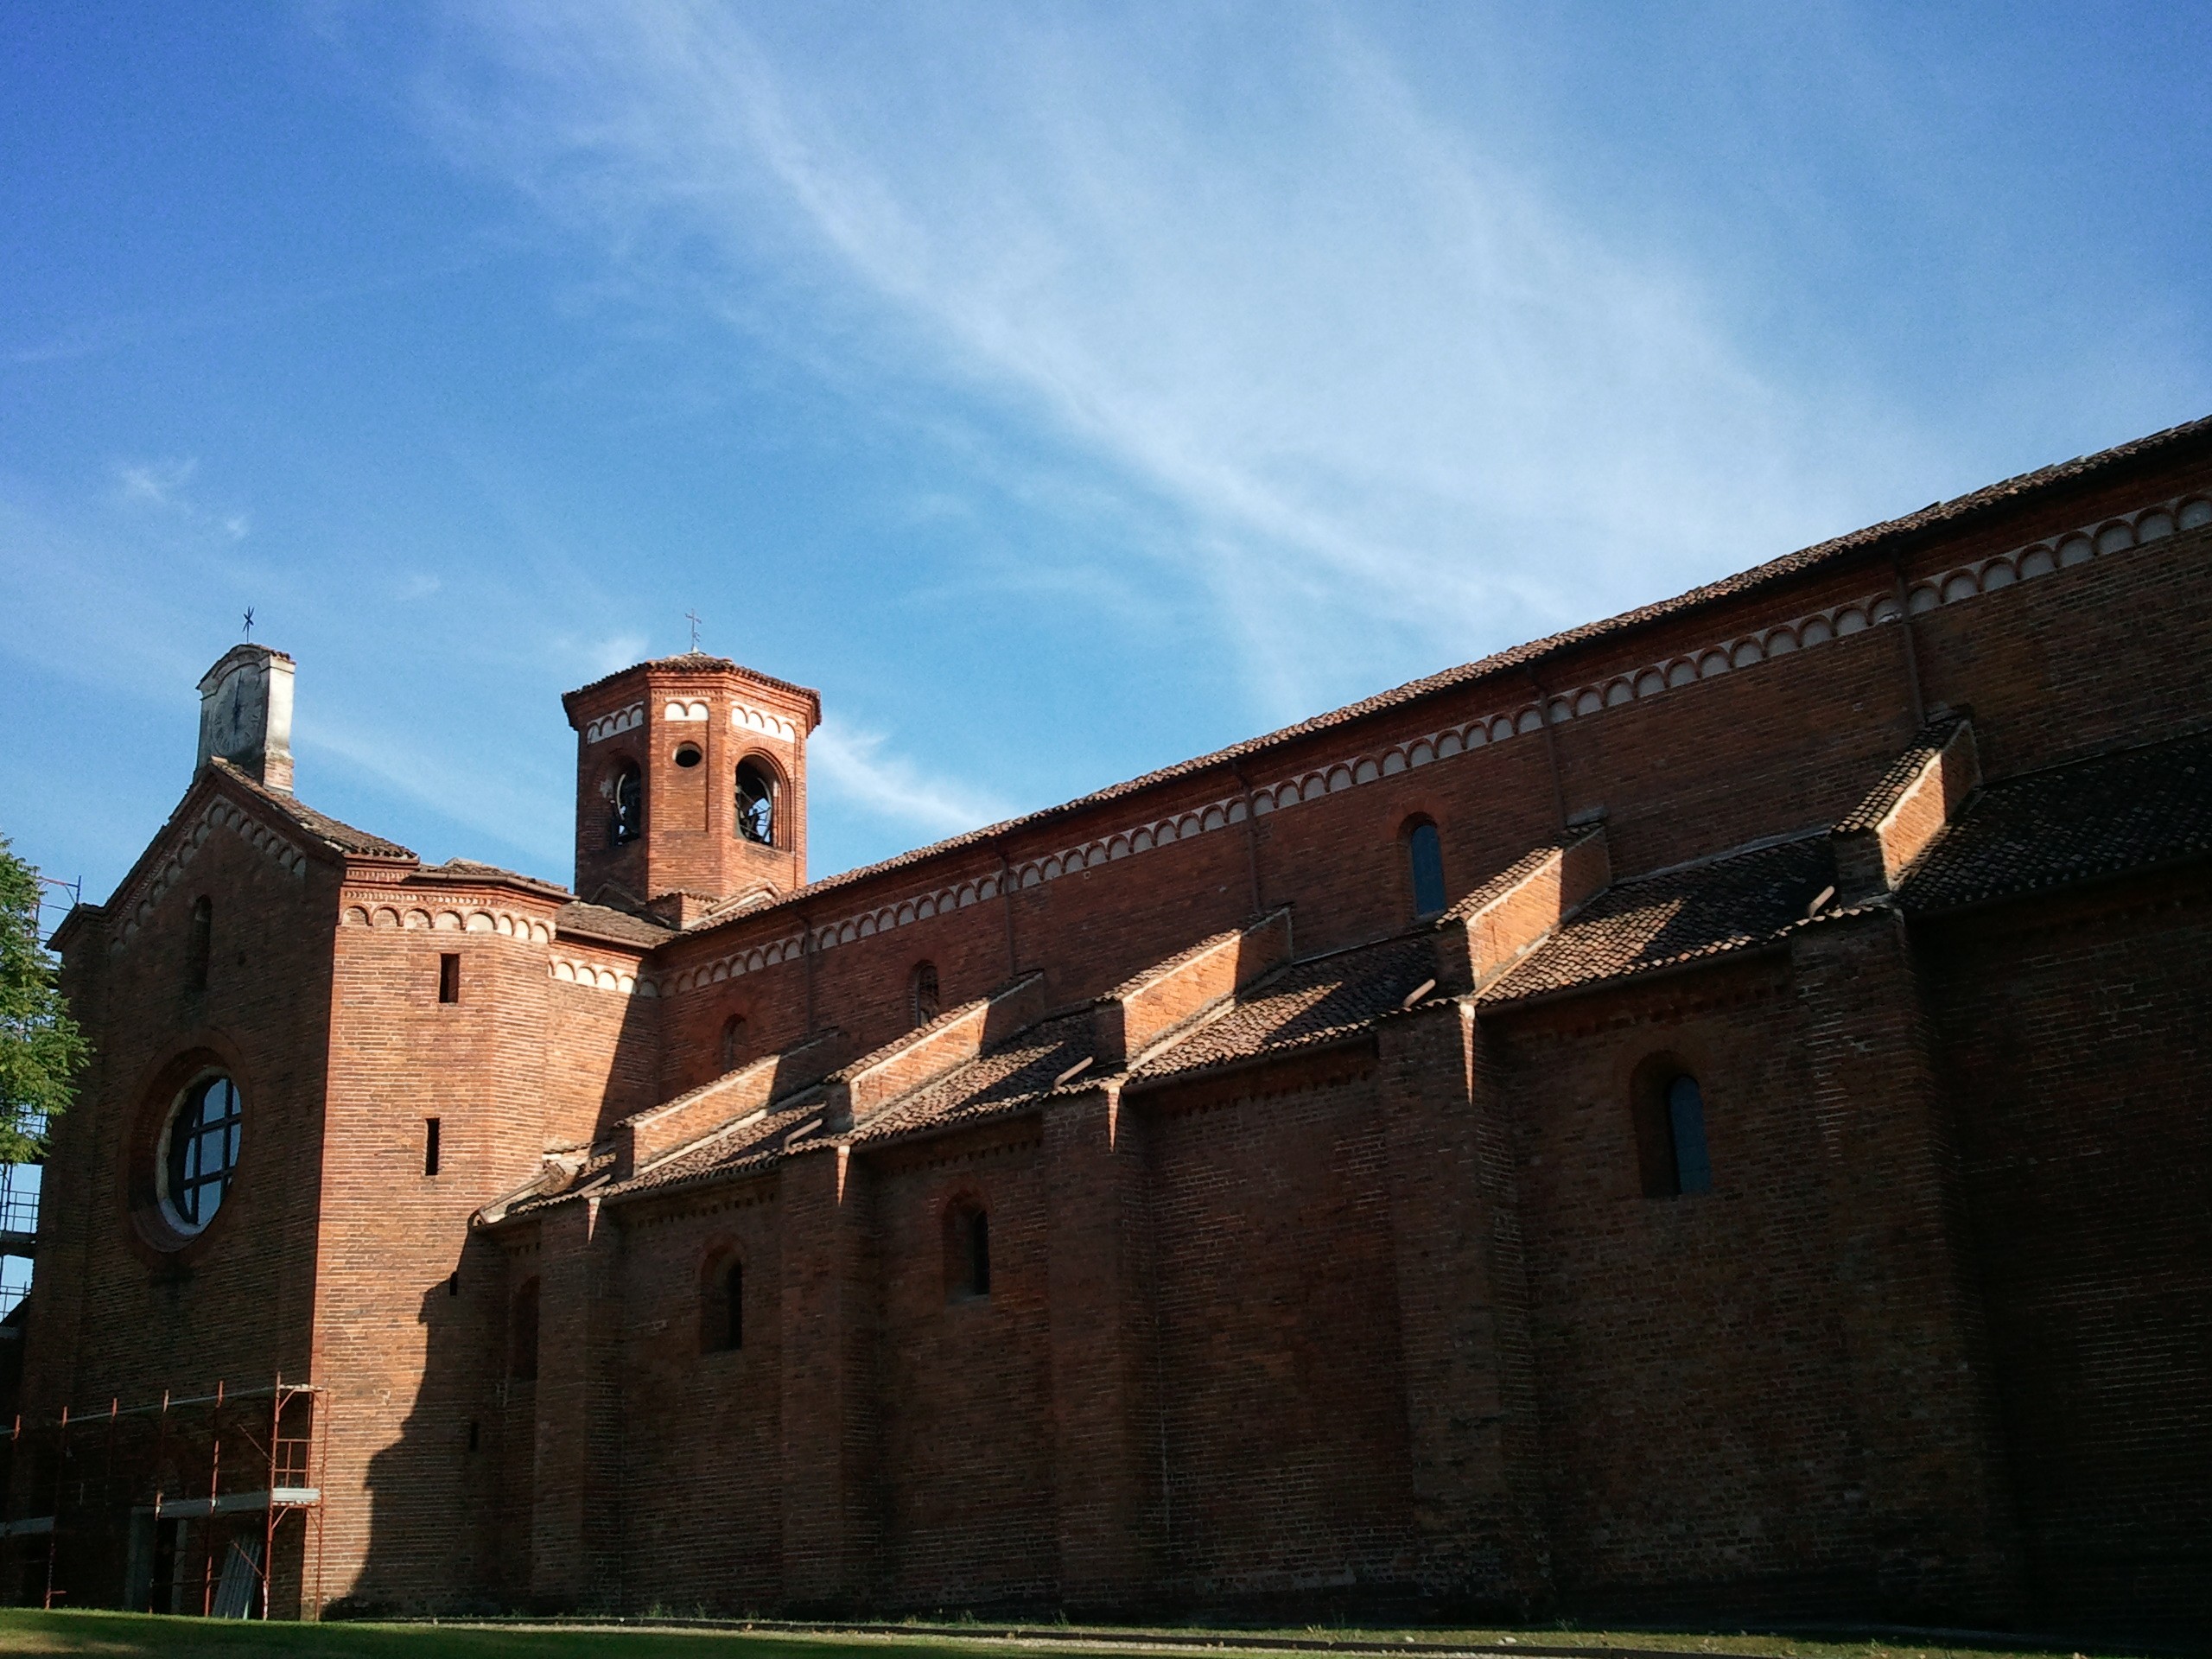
(246, 715)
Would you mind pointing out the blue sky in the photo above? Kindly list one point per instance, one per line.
(1061, 389)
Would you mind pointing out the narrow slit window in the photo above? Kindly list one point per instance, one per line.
(522, 1347)
(733, 1040)
(1669, 1109)
(430, 1155)
(475, 1435)
(721, 1305)
(1686, 1121)
(449, 977)
(967, 1253)
(922, 993)
(202, 945)
(1425, 854)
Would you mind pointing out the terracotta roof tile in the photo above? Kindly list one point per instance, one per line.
(695, 662)
(1011, 1077)
(1309, 1002)
(2100, 817)
(343, 837)
(1675, 916)
(577, 919)
(739, 1149)
(1926, 744)
(1956, 513)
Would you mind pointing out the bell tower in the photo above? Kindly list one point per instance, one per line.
(690, 786)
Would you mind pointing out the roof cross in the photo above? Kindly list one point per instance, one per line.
(694, 618)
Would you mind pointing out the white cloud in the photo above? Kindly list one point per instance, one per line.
(155, 483)
(1407, 398)
(851, 763)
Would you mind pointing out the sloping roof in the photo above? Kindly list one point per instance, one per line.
(342, 836)
(579, 920)
(1675, 916)
(2100, 817)
(695, 662)
(1957, 513)
(1309, 1002)
(752, 1144)
(1009, 1078)
(472, 870)
(1926, 744)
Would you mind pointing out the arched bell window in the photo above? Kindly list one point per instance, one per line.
(627, 804)
(756, 803)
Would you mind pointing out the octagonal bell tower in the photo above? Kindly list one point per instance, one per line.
(690, 786)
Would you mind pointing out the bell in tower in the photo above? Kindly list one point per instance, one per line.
(691, 786)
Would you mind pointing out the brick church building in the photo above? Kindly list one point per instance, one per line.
(1707, 1112)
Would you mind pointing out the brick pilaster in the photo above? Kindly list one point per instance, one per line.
(576, 1521)
(1105, 1403)
(832, 1512)
(1938, 1509)
(1462, 1314)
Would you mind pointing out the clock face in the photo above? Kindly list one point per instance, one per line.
(235, 721)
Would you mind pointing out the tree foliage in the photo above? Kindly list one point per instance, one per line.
(40, 1047)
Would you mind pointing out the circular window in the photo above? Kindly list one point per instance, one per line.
(687, 755)
(200, 1153)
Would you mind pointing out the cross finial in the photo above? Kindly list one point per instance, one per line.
(249, 621)
(694, 618)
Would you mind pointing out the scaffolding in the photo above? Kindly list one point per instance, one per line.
(256, 1461)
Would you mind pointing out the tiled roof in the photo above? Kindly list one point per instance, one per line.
(579, 920)
(1309, 1002)
(1675, 916)
(471, 869)
(1926, 743)
(2099, 816)
(693, 662)
(1957, 513)
(343, 837)
(1018, 1074)
(742, 1146)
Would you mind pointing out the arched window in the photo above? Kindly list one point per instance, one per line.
(199, 1152)
(522, 1334)
(202, 945)
(1425, 861)
(1670, 1114)
(721, 1305)
(756, 803)
(733, 1040)
(921, 993)
(627, 803)
(967, 1252)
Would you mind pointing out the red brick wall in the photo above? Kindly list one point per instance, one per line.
(2076, 1033)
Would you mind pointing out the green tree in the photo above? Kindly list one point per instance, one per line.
(40, 1047)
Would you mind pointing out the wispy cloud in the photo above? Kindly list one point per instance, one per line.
(162, 485)
(1402, 391)
(855, 765)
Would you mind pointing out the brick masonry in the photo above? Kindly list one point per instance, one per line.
(1381, 1321)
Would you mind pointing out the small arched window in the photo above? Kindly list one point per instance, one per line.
(923, 1000)
(1425, 862)
(201, 945)
(733, 1040)
(522, 1334)
(967, 1252)
(627, 803)
(756, 803)
(721, 1305)
(1670, 1150)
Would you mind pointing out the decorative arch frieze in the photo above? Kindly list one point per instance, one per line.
(1748, 650)
(217, 818)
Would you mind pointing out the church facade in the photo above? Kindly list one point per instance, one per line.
(1703, 1113)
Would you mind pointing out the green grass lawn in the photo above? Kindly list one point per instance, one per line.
(130, 1634)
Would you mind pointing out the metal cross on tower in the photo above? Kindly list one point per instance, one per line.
(249, 621)
(694, 618)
